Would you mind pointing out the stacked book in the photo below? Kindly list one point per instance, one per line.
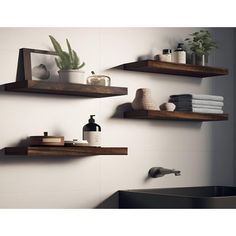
(198, 103)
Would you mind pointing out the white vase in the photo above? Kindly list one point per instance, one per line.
(72, 76)
(143, 100)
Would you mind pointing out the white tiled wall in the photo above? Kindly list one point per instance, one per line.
(203, 152)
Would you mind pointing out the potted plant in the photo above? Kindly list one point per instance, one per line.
(68, 63)
(200, 44)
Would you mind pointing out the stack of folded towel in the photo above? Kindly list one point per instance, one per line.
(198, 103)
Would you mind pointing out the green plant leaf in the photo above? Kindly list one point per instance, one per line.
(58, 63)
(75, 62)
(82, 65)
(201, 42)
(65, 60)
(56, 45)
(69, 49)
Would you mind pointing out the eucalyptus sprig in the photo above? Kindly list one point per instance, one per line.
(66, 60)
(201, 42)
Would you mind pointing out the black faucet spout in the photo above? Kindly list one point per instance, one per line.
(156, 172)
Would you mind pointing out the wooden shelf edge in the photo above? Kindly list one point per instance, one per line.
(175, 115)
(153, 66)
(59, 88)
(64, 151)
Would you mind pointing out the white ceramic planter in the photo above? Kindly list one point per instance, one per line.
(72, 76)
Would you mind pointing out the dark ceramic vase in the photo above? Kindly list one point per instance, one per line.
(200, 60)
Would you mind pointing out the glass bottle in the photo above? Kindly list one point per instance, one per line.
(101, 80)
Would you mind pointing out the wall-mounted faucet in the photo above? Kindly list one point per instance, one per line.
(155, 172)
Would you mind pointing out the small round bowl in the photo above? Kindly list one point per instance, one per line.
(167, 106)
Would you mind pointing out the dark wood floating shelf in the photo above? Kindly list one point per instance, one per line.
(33, 86)
(175, 115)
(65, 151)
(153, 66)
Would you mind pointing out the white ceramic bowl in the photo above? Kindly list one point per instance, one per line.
(167, 106)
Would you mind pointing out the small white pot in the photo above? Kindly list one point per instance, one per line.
(167, 106)
(72, 76)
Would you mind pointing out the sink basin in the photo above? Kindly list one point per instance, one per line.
(184, 197)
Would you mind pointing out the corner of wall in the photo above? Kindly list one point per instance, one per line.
(234, 105)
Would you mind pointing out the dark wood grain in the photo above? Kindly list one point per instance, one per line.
(20, 74)
(32, 86)
(179, 116)
(65, 151)
(153, 66)
(39, 51)
(27, 63)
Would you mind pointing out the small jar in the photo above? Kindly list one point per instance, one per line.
(166, 55)
(101, 80)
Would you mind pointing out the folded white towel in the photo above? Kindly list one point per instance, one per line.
(205, 110)
(196, 102)
(207, 106)
(198, 96)
(200, 110)
(209, 103)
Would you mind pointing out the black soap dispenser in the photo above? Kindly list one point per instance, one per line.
(92, 133)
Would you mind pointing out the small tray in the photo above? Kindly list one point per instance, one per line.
(46, 140)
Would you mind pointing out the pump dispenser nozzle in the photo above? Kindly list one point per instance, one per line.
(180, 45)
(91, 120)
